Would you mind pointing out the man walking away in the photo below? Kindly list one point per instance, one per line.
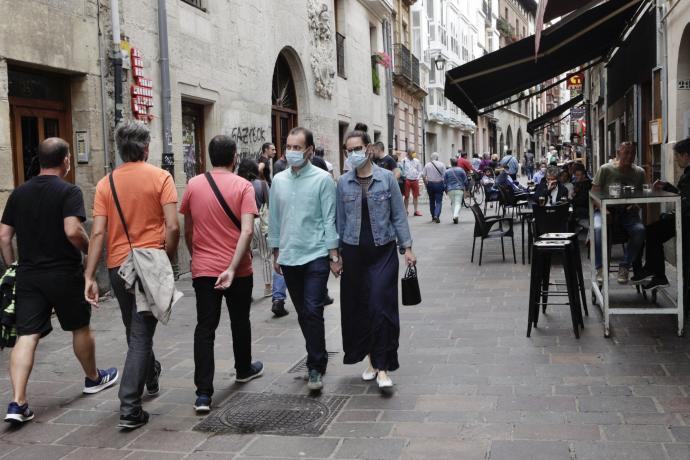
(433, 180)
(411, 170)
(510, 164)
(302, 234)
(384, 160)
(529, 164)
(46, 213)
(213, 205)
(148, 201)
(455, 182)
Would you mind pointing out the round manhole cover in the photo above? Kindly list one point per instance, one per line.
(266, 413)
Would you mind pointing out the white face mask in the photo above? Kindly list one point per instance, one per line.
(358, 158)
(294, 158)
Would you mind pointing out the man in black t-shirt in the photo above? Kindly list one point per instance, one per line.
(268, 152)
(46, 214)
(385, 161)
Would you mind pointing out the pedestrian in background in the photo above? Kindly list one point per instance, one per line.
(433, 174)
(528, 164)
(249, 170)
(46, 214)
(412, 170)
(305, 243)
(268, 153)
(148, 200)
(455, 181)
(370, 219)
(213, 204)
(320, 153)
(510, 164)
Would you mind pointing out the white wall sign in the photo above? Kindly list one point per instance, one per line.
(81, 146)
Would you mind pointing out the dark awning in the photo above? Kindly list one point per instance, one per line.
(579, 38)
(551, 114)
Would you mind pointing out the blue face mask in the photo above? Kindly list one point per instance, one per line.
(358, 158)
(294, 158)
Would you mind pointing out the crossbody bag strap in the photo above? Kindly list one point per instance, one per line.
(437, 170)
(222, 201)
(119, 208)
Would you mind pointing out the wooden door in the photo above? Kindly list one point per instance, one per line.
(282, 123)
(30, 126)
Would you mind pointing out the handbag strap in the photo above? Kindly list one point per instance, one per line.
(411, 271)
(119, 208)
(222, 201)
(452, 170)
(436, 168)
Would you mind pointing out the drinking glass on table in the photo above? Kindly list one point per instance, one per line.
(615, 190)
(646, 188)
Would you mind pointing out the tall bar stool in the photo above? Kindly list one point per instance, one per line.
(542, 252)
(576, 262)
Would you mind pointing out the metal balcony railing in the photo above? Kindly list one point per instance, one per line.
(406, 64)
(196, 3)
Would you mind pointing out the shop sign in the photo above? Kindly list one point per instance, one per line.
(142, 89)
(577, 113)
(574, 81)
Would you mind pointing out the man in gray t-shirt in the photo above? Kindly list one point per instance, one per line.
(622, 171)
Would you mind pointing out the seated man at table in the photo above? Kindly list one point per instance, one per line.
(623, 171)
(581, 187)
(504, 178)
(551, 190)
(665, 228)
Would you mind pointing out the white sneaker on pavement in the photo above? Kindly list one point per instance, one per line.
(369, 374)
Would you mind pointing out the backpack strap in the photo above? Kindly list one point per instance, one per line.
(222, 201)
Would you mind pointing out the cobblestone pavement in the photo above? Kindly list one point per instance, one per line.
(471, 385)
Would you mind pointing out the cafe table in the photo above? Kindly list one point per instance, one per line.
(603, 200)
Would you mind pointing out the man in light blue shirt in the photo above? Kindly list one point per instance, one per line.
(510, 163)
(305, 242)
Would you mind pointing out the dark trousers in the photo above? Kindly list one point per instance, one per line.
(435, 191)
(140, 360)
(529, 171)
(307, 286)
(209, 301)
(657, 234)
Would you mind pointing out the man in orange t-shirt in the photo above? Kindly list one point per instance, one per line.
(148, 200)
(221, 264)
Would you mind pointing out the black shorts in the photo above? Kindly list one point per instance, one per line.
(41, 292)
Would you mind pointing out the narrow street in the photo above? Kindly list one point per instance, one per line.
(471, 385)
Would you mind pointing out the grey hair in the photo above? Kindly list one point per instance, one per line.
(553, 171)
(434, 156)
(132, 139)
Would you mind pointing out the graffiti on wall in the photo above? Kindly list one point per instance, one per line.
(249, 140)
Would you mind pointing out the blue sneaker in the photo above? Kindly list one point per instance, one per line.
(107, 378)
(256, 370)
(202, 404)
(17, 414)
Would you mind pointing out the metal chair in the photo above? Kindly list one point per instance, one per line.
(483, 228)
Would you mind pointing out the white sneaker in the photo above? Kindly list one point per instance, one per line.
(369, 374)
(383, 380)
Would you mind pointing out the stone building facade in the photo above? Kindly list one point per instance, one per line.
(251, 70)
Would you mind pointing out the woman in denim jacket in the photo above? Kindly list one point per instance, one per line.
(370, 218)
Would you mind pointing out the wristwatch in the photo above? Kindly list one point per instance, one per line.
(334, 259)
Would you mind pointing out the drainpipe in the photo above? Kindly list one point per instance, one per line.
(117, 65)
(389, 84)
(168, 160)
(101, 60)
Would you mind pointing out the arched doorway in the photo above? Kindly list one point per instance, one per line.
(509, 138)
(518, 144)
(501, 145)
(683, 98)
(283, 103)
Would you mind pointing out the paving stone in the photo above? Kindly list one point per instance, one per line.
(457, 403)
(373, 449)
(225, 443)
(616, 404)
(35, 433)
(282, 446)
(40, 452)
(425, 449)
(427, 430)
(556, 432)
(97, 436)
(637, 433)
(678, 451)
(83, 417)
(85, 453)
(529, 450)
(359, 429)
(619, 451)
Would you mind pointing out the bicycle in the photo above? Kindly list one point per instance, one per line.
(475, 192)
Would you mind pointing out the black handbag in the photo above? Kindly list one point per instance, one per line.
(410, 287)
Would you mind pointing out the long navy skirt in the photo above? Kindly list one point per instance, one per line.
(369, 305)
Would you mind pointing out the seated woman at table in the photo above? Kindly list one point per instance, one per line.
(654, 271)
(551, 190)
(540, 174)
(488, 182)
(565, 179)
(623, 171)
(504, 178)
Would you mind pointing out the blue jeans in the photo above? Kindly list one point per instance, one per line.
(307, 285)
(279, 289)
(435, 191)
(633, 226)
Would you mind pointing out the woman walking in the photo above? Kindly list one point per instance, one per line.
(249, 169)
(370, 217)
(455, 181)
